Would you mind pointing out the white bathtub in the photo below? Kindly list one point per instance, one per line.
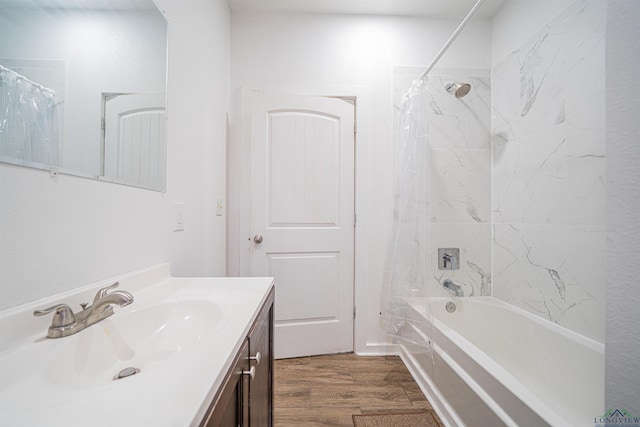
(490, 364)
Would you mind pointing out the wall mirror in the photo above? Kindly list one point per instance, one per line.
(83, 88)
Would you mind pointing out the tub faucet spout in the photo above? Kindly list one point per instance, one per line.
(454, 288)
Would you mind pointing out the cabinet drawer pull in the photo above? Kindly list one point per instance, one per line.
(257, 358)
(251, 372)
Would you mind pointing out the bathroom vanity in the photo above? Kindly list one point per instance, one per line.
(246, 396)
(186, 351)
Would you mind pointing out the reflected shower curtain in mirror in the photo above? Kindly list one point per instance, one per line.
(407, 251)
(28, 126)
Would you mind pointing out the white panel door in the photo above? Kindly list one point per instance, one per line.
(135, 135)
(302, 218)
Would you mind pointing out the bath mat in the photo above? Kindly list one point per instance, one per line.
(411, 419)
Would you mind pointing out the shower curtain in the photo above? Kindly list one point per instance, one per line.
(28, 124)
(405, 275)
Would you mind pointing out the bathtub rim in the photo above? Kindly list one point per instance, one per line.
(488, 300)
(483, 361)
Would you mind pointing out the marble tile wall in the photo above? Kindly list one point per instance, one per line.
(460, 175)
(548, 172)
(460, 179)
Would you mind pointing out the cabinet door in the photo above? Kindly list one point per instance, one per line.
(261, 386)
(230, 408)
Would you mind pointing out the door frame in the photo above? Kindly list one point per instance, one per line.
(238, 202)
(350, 103)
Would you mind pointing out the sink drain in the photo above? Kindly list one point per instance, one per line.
(126, 372)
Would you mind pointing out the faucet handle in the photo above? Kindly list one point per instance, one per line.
(63, 317)
(102, 292)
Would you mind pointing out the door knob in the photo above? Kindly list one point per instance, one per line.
(257, 238)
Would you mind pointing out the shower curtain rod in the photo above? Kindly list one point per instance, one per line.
(466, 19)
(38, 86)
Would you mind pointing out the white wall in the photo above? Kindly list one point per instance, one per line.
(623, 229)
(349, 55)
(199, 100)
(58, 234)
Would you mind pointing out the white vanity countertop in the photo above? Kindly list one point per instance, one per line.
(182, 333)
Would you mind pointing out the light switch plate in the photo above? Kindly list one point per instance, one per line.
(178, 216)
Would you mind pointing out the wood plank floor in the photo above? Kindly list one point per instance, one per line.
(328, 390)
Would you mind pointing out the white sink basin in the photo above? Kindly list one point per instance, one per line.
(181, 333)
(142, 338)
(138, 338)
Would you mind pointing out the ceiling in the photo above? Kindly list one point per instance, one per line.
(422, 8)
(81, 4)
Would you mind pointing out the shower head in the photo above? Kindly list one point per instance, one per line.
(460, 90)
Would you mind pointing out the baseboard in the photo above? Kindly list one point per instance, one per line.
(377, 349)
(446, 413)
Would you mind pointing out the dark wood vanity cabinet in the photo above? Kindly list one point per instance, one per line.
(261, 358)
(245, 398)
(229, 407)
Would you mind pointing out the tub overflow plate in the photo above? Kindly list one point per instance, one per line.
(451, 307)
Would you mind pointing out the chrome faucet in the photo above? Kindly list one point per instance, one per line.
(65, 322)
(453, 288)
